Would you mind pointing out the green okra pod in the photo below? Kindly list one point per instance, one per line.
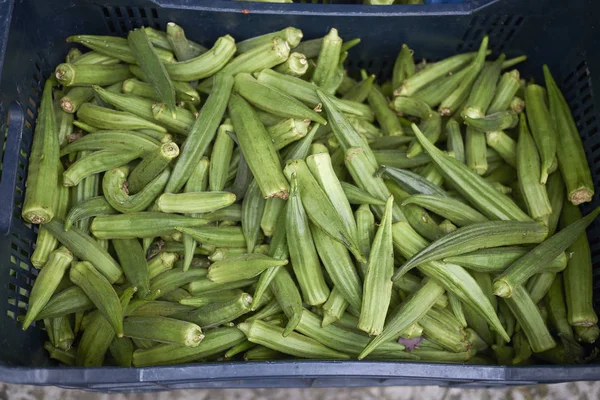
(569, 150)
(106, 118)
(162, 262)
(66, 302)
(494, 122)
(231, 236)
(365, 223)
(441, 88)
(151, 166)
(505, 91)
(385, 116)
(303, 253)
(291, 35)
(411, 182)
(201, 133)
(259, 58)
(111, 140)
(132, 258)
(114, 186)
(99, 161)
(483, 90)
(163, 330)
(528, 163)
(204, 65)
(328, 59)
(504, 145)
(183, 90)
(170, 280)
(400, 159)
(578, 274)
(245, 266)
(404, 67)
(454, 210)
(475, 150)
(272, 100)
(298, 345)
(141, 225)
(220, 158)
(91, 74)
(194, 202)
(377, 286)
(411, 106)
(319, 208)
(254, 139)
(39, 205)
(360, 91)
(46, 283)
(216, 314)
(288, 131)
(253, 206)
(555, 188)
(116, 47)
(100, 291)
(215, 341)
(356, 195)
(542, 128)
(540, 256)
(481, 194)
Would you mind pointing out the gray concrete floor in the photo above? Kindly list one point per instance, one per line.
(571, 391)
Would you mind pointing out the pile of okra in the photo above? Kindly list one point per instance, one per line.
(252, 201)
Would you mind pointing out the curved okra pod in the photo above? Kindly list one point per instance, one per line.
(133, 261)
(216, 314)
(272, 100)
(296, 65)
(100, 291)
(259, 58)
(206, 64)
(377, 285)
(253, 207)
(453, 277)
(39, 203)
(542, 128)
(319, 208)
(454, 210)
(532, 323)
(165, 40)
(411, 106)
(46, 283)
(91, 74)
(88, 208)
(96, 162)
(481, 194)
(106, 118)
(571, 156)
(112, 141)
(270, 336)
(116, 47)
(201, 133)
(479, 236)
(303, 253)
(528, 164)
(163, 330)
(215, 342)
(291, 35)
(543, 254)
(245, 266)
(334, 307)
(114, 186)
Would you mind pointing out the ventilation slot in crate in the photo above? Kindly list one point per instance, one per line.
(381, 68)
(501, 30)
(121, 20)
(20, 276)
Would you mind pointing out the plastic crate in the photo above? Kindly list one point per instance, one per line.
(32, 41)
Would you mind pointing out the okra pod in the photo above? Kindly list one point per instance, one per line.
(259, 58)
(114, 186)
(538, 285)
(412, 106)
(267, 335)
(194, 202)
(540, 256)
(542, 128)
(204, 65)
(162, 262)
(404, 66)
(578, 274)
(39, 204)
(507, 88)
(361, 90)
(151, 166)
(569, 150)
(163, 330)
(288, 131)
(290, 34)
(555, 188)
(483, 90)
(116, 47)
(481, 194)
(504, 145)
(499, 259)
(111, 140)
(66, 302)
(215, 341)
(133, 261)
(479, 236)
(245, 266)
(528, 163)
(215, 314)
(328, 59)
(141, 225)
(494, 122)
(386, 118)
(411, 182)
(528, 316)
(170, 280)
(100, 291)
(91, 74)
(447, 207)
(356, 195)
(442, 87)
(105, 118)
(400, 159)
(303, 253)
(46, 283)
(203, 300)
(99, 161)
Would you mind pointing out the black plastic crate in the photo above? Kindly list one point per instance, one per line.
(32, 41)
